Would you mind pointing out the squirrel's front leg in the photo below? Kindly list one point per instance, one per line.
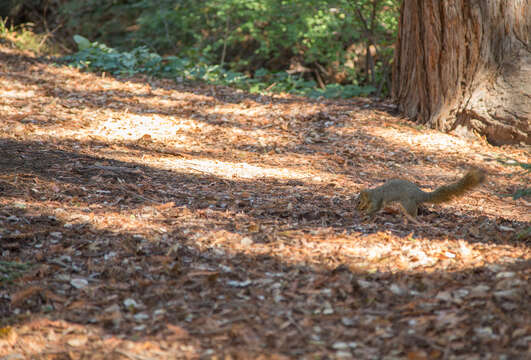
(373, 208)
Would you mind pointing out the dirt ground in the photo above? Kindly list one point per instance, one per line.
(145, 219)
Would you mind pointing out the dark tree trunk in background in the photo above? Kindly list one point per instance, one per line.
(466, 64)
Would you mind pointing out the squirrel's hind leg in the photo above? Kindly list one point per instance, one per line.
(410, 210)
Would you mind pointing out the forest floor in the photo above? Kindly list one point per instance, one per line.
(147, 219)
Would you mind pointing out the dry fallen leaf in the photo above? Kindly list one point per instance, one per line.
(24, 294)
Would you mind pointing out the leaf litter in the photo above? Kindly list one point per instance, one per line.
(161, 220)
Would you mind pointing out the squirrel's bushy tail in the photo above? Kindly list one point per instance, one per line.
(472, 178)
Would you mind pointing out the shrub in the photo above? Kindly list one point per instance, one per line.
(94, 56)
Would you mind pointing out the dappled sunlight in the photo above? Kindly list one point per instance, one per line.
(242, 170)
(178, 131)
(367, 253)
(160, 224)
(40, 337)
(251, 111)
(430, 141)
(133, 127)
(188, 221)
(321, 247)
(18, 94)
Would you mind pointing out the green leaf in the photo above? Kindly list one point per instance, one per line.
(82, 42)
(522, 193)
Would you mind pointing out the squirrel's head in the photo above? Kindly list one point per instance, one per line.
(475, 176)
(363, 200)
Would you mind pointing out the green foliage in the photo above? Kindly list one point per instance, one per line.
(331, 42)
(10, 271)
(23, 37)
(525, 191)
(524, 234)
(94, 56)
(512, 162)
(107, 21)
(522, 193)
(325, 36)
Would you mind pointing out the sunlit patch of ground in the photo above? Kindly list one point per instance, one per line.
(40, 338)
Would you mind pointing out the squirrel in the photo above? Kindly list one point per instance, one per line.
(409, 195)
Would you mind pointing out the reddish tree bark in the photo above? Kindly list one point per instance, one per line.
(464, 65)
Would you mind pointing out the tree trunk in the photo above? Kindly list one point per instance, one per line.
(466, 64)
